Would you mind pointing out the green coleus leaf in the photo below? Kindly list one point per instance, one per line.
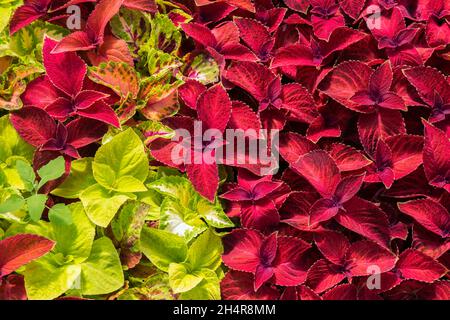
(205, 252)
(48, 277)
(175, 187)
(162, 247)
(60, 214)
(154, 129)
(207, 289)
(122, 163)
(53, 170)
(101, 204)
(155, 288)
(13, 203)
(74, 239)
(213, 213)
(182, 279)
(79, 179)
(102, 272)
(26, 173)
(126, 228)
(180, 220)
(36, 206)
(202, 68)
(153, 200)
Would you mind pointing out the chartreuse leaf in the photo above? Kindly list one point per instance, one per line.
(51, 171)
(207, 289)
(182, 279)
(13, 203)
(122, 163)
(180, 220)
(175, 187)
(26, 173)
(13, 141)
(213, 214)
(75, 239)
(102, 272)
(205, 252)
(154, 288)
(47, 278)
(162, 247)
(36, 206)
(79, 179)
(153, 200)
(60, 214)
(101, 204)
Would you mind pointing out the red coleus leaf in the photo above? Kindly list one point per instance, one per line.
(436, 159)
(256, 36)
(428, 213)
(21, 249)
(239, 286)
(315, 53)
(93, 35)
(414, 265)
(345, 260)
(274, 256)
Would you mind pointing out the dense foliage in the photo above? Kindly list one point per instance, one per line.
(102, 196)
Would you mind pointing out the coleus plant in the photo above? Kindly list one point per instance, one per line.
(362, 184)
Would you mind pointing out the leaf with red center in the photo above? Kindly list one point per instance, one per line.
(87, 98)
(256, 36)
(366, 219)
(323, 210)
(345, 80)
(415, 290)
(333, 245)
(18, 250)
(34, 125)
(414, 265)
(392, 21)
(320, 170)
(429, 243)
(428, 213)
(436, 158)
(324, 275)
(289, 265)
(190, 91)
(261, 214)
(82, 132)
(214, 108)
(30, 11)
(66, 71)
(379, 125)
(60, 109)
(242, 250)
(293, 146)
(299, 102)
(93, 36)
(348, 158)
(363, 256)
(240, 286)
(252, 77)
